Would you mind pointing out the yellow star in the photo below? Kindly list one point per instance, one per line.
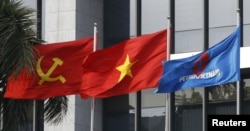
(125, 69)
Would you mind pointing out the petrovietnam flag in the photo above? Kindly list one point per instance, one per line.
(217, 65)
(58, 71)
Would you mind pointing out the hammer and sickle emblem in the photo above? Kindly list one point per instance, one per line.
(46, 76)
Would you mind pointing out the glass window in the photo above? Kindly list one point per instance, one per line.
(189, 96)
(222, 21)
(216, 35)
(153, 111)
(246, 22)
(188, 110)
(188, 41)
(246, 87)
(246, 33)
(226, 92)
(153, 119)
(188, 26)
(246, 96)
(154, 15)
(119, 113)
(222, 13)
(222, 99)
(188, 117)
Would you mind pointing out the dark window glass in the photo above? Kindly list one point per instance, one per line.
(226, 92)
(153, 111)
(246, 96)
(188, 117)
(222, 99)
(153, 119)
(119, 113)
(188, 110)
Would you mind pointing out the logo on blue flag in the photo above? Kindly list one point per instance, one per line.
(220, 64)
(201, 63)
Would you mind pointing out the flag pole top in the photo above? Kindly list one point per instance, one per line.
(95, 24)
(238, 16)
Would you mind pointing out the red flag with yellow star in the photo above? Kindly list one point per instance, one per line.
(129, 66)
(58, 71)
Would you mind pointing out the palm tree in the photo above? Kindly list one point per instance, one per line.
(17, 39)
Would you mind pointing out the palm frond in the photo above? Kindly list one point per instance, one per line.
(16, 112)
(55, 109)
(17, 37)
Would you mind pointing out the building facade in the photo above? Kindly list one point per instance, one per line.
(197, 24)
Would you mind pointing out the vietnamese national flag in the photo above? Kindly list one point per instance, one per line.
(128, 66)
(58, 71)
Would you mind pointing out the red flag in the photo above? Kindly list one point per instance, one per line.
(129, 66)
(58, 71)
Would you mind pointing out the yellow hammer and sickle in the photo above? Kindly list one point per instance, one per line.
(46, 76)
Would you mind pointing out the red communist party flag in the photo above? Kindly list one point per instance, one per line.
(128, 66)
(58, 71)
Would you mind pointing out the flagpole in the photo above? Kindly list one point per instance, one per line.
(168, 102)
(168, 95)
(34, 115)
(39, 36)
(93, 99)
(238, 105)
(95, 37)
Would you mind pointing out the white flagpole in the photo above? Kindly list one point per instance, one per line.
(168, 95)
(93, 99)
(238, 17)
(238, 83)
(95, 37)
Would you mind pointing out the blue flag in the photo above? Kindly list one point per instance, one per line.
(219, 64)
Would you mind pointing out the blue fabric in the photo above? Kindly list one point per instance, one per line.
(219, 64)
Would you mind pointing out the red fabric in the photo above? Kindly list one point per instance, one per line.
(71, 54)
(100, 79)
